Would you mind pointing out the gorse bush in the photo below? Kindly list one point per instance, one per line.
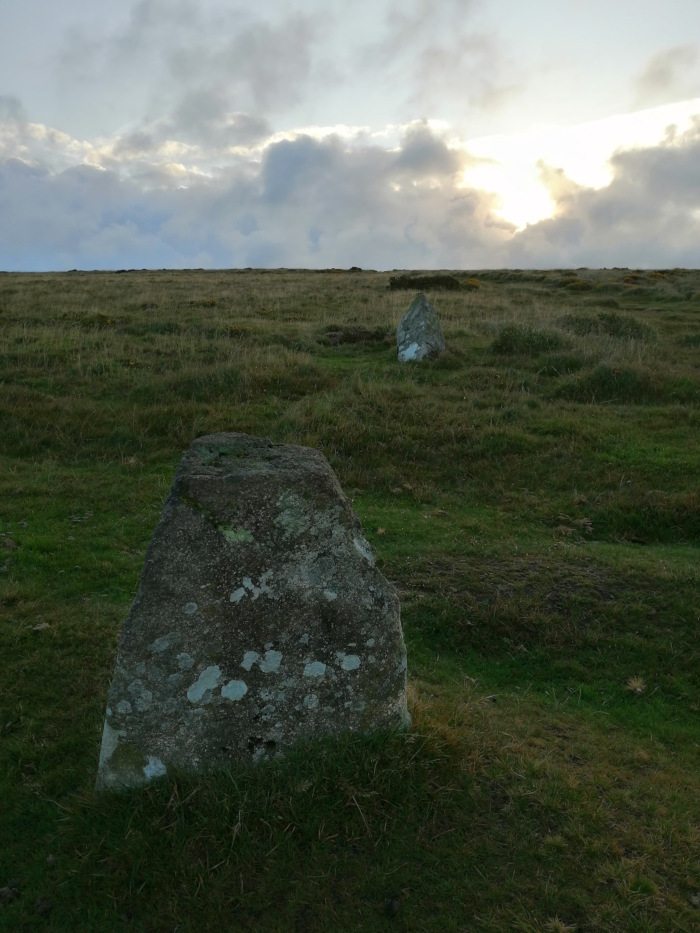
(579, 285)
(419, 282)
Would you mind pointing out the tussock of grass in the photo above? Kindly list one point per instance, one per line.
(628, 386)
(645, 516)
(337, 334)
(561, 364)
(526, 341)
(532, 495)
(601, 302)
(606, 323)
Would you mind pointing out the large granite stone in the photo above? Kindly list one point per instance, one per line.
(419, 334)
(261, 618)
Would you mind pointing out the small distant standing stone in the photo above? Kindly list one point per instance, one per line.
(419, 334)
(261, 619)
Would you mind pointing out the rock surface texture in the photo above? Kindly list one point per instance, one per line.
(419, 334)
(260, 619)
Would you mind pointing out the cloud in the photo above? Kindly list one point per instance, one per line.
(670, 75)
(34, 143)
(11, 110)
(203, 116)
(436, 54)
(649, 214)
(423, 153)
(308, 202)
(257, 66)
(324, 200)
(196, 63)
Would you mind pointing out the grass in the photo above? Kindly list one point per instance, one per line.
(533, 495)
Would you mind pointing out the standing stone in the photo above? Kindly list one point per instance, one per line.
(260, 619)
(419, 334)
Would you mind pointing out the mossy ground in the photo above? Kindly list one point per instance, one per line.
(533, 495)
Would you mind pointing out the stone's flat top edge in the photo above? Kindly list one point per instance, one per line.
(250, 441)
(233, 435)
(226, 448)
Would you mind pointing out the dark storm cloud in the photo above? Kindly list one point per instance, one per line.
(672, 74)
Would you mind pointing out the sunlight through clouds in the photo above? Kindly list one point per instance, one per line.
(385, 135)
(583, 153)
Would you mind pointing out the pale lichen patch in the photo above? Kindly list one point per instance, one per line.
(234, 690)
(260, 588)
(236, 535)
(249, 659)
(143, 697)
(154, 768)
(165, 641)
(362, 545)
(294, 519)
(270, 662)
(208, 680)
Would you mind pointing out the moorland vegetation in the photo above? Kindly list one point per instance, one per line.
(533, 495)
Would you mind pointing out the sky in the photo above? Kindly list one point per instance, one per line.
(385, 134)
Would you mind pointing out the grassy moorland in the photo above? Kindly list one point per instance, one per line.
(533, 495)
